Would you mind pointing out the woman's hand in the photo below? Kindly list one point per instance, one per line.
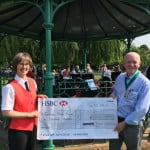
(41, 96)
(32, 114)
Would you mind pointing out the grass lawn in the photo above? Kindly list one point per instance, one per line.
(97, 76)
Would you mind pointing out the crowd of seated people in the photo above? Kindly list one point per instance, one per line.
(73, 77)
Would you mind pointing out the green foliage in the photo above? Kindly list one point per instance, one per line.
(70, 53)
(65, 53)
(144, 47)
(10, 45)
(100, 52)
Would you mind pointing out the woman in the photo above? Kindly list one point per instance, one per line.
(19, 102)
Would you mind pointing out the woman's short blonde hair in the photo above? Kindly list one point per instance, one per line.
(19, 57)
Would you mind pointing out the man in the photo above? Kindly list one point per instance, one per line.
(132, 90)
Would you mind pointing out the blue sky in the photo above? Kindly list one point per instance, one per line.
(145, 39)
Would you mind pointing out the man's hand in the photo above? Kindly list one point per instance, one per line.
(120, 126)
(112, 96)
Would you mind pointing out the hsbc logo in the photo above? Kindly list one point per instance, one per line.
(63, 103)
(54, 103)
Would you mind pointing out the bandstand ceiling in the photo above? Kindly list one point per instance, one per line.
(78, 20)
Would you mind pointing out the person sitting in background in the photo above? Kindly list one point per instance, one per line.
(62, 71)
(116, 72)
(73, 71)
(89, 69)
(54, 72)
(39, 71)
(103, 69)
(107, 73)
(77, 69)
(31, 73)
(66, 73)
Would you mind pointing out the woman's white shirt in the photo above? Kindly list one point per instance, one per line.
(8, 94)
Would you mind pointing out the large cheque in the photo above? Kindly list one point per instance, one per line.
(77, 118)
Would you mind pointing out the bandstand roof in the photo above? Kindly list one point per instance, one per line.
(77, 19)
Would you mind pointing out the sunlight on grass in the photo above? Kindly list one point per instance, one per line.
(97, 76)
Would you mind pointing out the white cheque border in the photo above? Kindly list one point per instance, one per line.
(77, 118)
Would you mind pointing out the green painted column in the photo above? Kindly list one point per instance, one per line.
(84, 54)
(40, 60)
(129, 42)
(48, 145)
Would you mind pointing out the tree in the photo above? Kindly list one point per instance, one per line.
(10, 45)
(64, 52)
(144, 47)
(100, 52)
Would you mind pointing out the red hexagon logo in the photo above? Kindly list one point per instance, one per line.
(63, 103)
